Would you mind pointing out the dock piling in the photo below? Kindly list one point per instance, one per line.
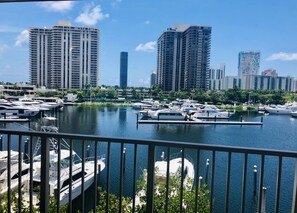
(26, 150)
(263, 206)
(206, 175)
(255, 179)
(1, 144)
(124, 159)
(241, 119)
(200, 181)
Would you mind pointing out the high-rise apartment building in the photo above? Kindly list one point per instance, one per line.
(153, 78)
(183, 57)
(248, 63)
(64, 56)
(123, 69)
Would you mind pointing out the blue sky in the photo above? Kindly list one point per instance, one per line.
(134, 26)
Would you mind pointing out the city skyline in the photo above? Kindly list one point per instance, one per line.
(136, 26)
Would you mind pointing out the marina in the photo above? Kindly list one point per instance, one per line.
(93, 121)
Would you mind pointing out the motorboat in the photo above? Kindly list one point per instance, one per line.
(294, 114)
(176, 165)
(167, 114)
(14, 171)
(175, 168)
(17, 110)
(139, 105)
(210, 111)
(65, 179)
(281, 109)
(14, 174)
(64, 167)
(14, 158)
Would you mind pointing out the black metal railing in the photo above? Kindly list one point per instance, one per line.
(238, 180)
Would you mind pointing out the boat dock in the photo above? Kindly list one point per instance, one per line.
(200, 122)
(14, 120)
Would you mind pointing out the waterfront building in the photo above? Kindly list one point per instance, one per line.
(123, 69)
(216, 78)
(229, 82)
(261, 82)
(183, 57)
(64, 56)
(248, 63)
(269, 72)
(153, 78)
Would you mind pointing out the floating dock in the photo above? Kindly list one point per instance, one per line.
(7, 120)
(251, 123)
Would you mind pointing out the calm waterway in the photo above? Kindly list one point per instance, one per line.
(278, 132)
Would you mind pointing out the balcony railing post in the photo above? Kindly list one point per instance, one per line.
(44, 189)
(150, 178)
(294, 200)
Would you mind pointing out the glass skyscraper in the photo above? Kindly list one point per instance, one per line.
(183, 57)
(248, 63)
(64, 56)
(123, 69)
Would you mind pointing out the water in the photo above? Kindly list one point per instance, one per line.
(278, 132)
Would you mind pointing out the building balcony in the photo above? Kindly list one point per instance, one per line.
(226, 179)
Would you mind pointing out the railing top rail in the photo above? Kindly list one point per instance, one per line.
(176, 144)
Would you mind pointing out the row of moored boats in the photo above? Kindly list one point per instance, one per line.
(286, 109)
(180, 110)
(26, 107)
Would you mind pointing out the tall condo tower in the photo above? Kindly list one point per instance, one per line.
(248, 63)
(123, 69)
(183, 57)
(64, 56)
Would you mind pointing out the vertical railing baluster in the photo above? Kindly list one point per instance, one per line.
(59, 176)
(278, 183)
(107, 178)
(212, 179)
(83, 177)
(294, 197)
(261, 182)
(134, 176)
(150, 178)
(167, 178)
(8, 173)
(121, 176)
(182, 181)
(244, 182)
(44, 189)
(20, 173)
(31, 175)
(70, 175)
(228, 182)
(197, 180)
(95, 175)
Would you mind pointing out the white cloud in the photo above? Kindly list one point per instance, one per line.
(282, 56)
(57, 6)
(90, 16)
(147, 22)
(22, 38)
(147, 47)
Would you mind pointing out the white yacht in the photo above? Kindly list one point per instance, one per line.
(65, 178)
(14, 171)
(167, 114)
(175, 168)
(210, 111)
(17, 110)
(281, 109)
(294, 114)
